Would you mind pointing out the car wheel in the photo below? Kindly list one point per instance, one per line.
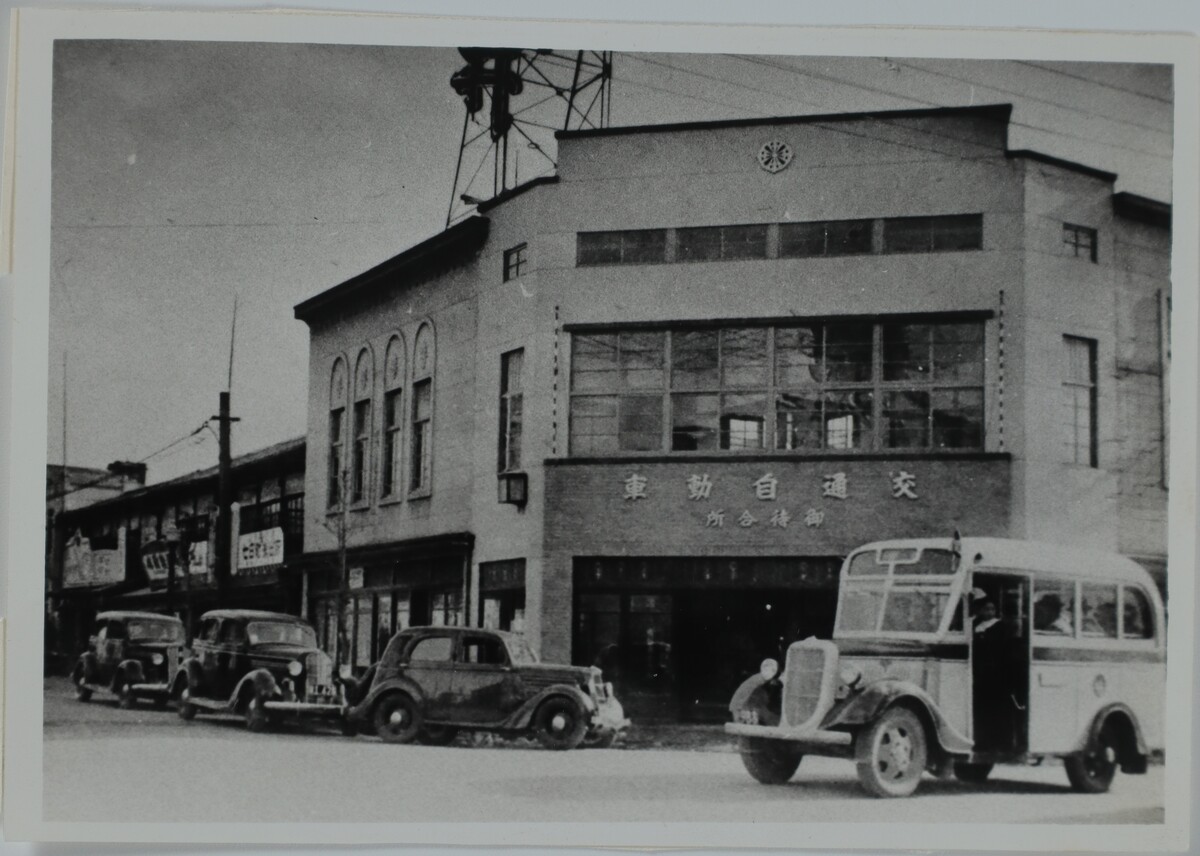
(772, 762)
(348, 727)
(257, 718)
(559, 724)
(976, 774)
(81, 690)
(602, 740)
(186, 709)
(125, 696)
(397, 718)
(891, 753)
(1092, 770)
(437, 735)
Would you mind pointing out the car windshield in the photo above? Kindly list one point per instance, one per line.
(281, 633)
(520, 652)
(148, 630)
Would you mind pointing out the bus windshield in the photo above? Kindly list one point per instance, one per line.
(896, 590)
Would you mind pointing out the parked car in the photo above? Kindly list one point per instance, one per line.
(131, 655)
(261, 665)
(432, 682)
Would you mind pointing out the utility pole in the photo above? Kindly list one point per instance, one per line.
(224, 533)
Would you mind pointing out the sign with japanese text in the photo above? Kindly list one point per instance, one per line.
(260, 549)
(84, 566)
(356, 578)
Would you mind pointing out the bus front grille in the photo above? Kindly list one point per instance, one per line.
(802, 688)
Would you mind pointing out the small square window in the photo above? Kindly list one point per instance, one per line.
(515, 261)
(1079, 241)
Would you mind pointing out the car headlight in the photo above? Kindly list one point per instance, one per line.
(848, 680)
(156, 659)
(768, 670)
(295, 668)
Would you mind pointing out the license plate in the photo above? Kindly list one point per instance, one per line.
(747, 717)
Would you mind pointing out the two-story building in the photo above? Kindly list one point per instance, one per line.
(641, 409)
(153, 548)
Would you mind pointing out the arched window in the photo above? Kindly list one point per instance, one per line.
(420, 476)
(337, 429)
(364, 376)
(393, 416)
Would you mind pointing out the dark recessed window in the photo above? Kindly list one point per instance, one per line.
(511, 418)
(1079, 241)
(827, 238)
(721, 243)
(515, 261)
(933, 234)
(635, 246)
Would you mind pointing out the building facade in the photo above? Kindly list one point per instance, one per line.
(640, 410)
(153, 548)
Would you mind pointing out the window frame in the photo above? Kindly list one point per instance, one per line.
(391, 446)
(1072, 232)
(604, 386)
(1092, 388)
(421, 430)
(335, 457)
(515, 261)
(511, 397)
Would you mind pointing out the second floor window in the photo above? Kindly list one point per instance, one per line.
(514, 261)
(392, 420)
(1080, 402)
(821, 386)
(1079, 241)
(511, 417)
(362, 445)
(422, 435)
(337, 417)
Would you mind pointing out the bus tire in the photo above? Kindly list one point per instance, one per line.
(891, 753)
(1091, 771)
(770, 762)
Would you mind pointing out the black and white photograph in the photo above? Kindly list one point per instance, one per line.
(444, 431)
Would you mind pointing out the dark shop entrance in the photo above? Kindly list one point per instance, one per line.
(676, 636)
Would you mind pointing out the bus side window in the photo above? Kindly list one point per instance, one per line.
(1137, 616)
(1054, 608)
(1099, 605)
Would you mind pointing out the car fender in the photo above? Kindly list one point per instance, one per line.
(187, 677)
(260, 683)
(866, 706)
(86, 665)
(131, 671)
(523, 716)
(1118, 711)
(362, 711)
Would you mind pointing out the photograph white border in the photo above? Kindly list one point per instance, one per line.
(34, 32)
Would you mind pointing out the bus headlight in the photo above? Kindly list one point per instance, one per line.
(768, 670)
(156, 659)
(848, 680)
(295, 668)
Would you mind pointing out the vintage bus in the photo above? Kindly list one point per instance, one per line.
(953, 655)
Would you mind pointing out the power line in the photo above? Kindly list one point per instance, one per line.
(108, 476)
(1113, 86)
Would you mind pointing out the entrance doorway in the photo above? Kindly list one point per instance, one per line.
(1000, 664)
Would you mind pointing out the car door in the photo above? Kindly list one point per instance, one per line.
(205, 648)
(486, 686)
(431, 666)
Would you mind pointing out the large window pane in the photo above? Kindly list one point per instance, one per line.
(957, 416)
(797, 356)
(744, 242)
(744, 357)
(1054, 608)
(798, 420)
(1137, 615)
(827, 238)
(906, 352)
(694, 360)
(848, 419)
(906, 419)
(640, 423)
(593, 424)
(743, 421)
(698, 245)
(694, 422)
(642, 360)
(848, 352)
(594, 362)
(958, 353)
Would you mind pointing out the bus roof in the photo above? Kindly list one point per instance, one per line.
(1034, 556)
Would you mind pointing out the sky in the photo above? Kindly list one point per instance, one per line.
(188, 173)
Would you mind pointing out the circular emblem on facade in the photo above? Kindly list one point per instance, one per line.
(774, 156)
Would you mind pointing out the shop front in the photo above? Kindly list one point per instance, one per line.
(683, 575)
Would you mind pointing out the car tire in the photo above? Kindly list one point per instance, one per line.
(975, 774)
(257, 717)
(559, 724)
(891, 753)
(603, 740)
(81, 691)
(348, 727)
(397, 718)
(186, 710)
(125, 697)
(771, 762)
(437, 735)
(1092, 770)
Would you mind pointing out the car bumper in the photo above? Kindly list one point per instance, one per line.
(609, 717)
(151, 689)
(304, 707)
(813, 737)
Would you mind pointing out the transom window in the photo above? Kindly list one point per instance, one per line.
(811, 387)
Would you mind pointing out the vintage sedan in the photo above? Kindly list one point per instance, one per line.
(433, 682)
(131, 655)
(263, 666)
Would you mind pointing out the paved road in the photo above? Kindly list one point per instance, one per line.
(103, 763)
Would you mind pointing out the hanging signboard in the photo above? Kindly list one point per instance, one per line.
(84, 566)
(198, 558)
(356, 578)
(260, 549)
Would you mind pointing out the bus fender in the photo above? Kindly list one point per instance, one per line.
(1133, 747)
(866, 706)
(743, 694)
(259, 683)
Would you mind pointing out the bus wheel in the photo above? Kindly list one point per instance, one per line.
(1091, 771)
(891, 753)
(772, 762)
(976, 774)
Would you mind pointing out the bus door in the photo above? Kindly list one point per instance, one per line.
(999, 663)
